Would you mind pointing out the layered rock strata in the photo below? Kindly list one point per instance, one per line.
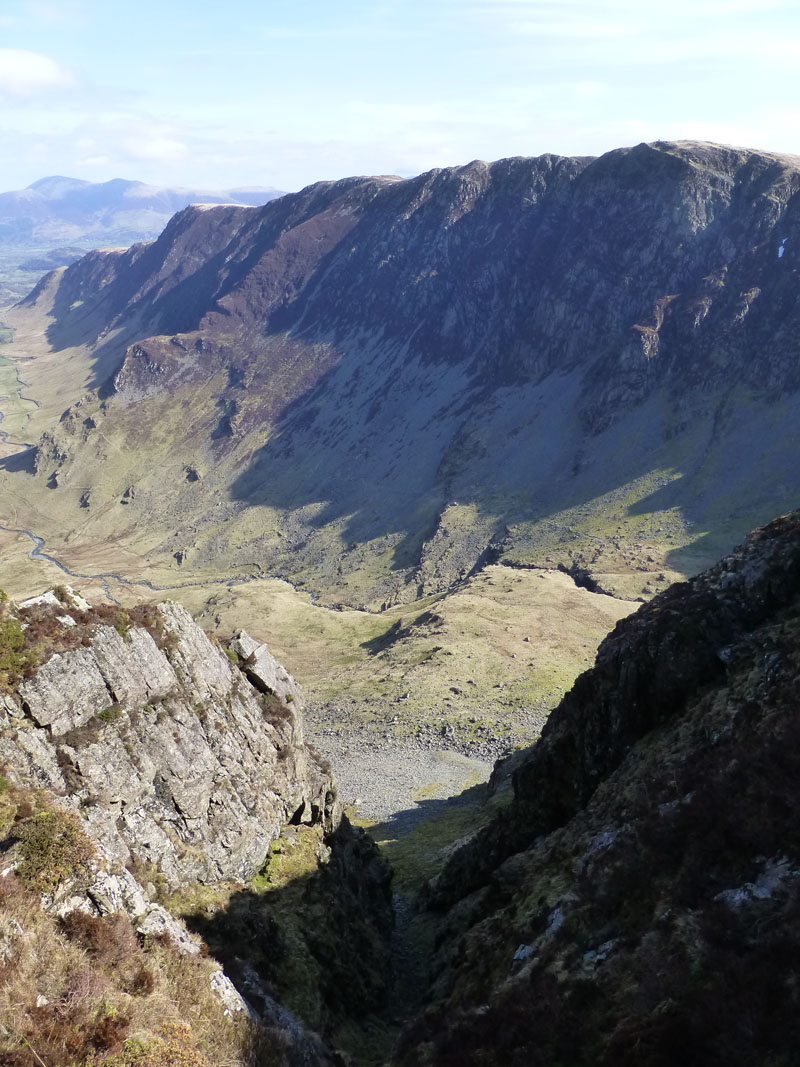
(171, 755)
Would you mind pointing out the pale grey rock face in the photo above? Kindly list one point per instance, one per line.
(120, 661)
(73, 599)
(264, 671)
(29, 752)
(228, 993)
(111, 893)
(191, 767)
(66, 692)
(158, 921)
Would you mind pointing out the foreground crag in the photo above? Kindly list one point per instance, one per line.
(147, 770)
(174, 759)
(638, 901)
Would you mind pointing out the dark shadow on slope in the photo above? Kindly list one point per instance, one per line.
(705, 550)
(498, 341)
(23, 462)
(398, 632)
(402, 823)
(399, 479)
(316, 944)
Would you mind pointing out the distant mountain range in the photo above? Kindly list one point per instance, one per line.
(56, 219)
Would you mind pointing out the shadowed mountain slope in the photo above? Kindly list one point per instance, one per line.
(378, 384)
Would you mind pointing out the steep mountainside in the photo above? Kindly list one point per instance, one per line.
(375, 385)
(637, 901)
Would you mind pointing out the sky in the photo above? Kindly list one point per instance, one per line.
(264, 93)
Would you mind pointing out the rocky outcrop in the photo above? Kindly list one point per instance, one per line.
(267, 675)
(637, 901)
(646, 670)
(172, 756)
(140, 758)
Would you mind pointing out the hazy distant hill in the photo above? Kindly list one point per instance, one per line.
(36, 223)
(62, 210)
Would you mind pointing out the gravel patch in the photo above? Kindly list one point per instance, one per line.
(396, 782)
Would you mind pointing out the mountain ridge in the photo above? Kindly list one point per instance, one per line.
(61, 208)
(405, 375)
(54, 219)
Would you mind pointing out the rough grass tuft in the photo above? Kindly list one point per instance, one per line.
(52, 848)
(86, 991)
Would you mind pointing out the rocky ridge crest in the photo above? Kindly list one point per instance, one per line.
(637, 900)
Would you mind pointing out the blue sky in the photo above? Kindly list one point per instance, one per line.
(283, 94)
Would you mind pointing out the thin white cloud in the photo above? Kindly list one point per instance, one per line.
(304, 33)
(94, 162)
(156, 148)
(24, 73)
(588, 29)
(491, 78)
(615, 34)
(589, 90)
(651, 12)
(605, 19)
(62, 13)
(404, 112)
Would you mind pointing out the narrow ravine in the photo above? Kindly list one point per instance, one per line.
(414, 801)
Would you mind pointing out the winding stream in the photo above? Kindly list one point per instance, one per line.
(106, 577)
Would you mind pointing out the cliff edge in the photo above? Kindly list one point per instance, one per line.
(157, 798)
(637, 900)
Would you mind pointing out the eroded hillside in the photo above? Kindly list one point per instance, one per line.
(375, 386)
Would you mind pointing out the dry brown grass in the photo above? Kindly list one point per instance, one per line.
(86, 991)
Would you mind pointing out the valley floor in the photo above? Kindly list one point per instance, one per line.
(396, 785)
